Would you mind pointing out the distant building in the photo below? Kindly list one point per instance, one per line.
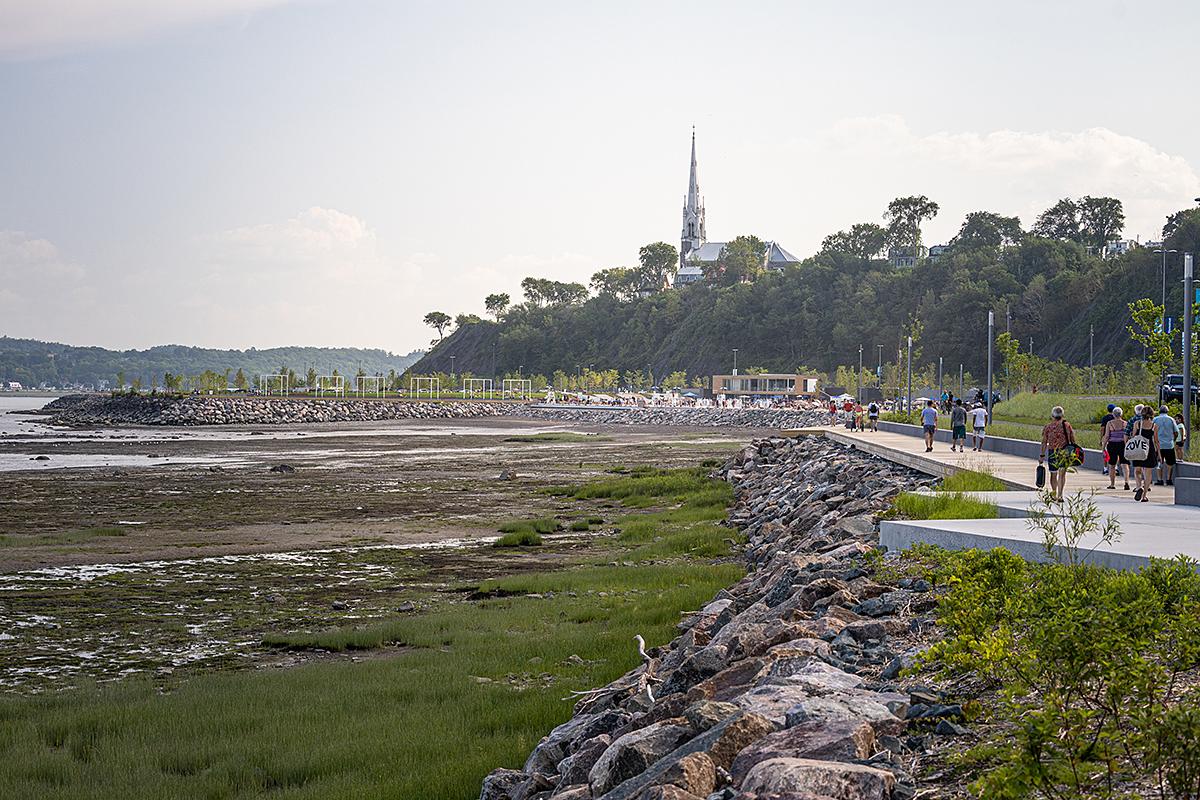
(1118, 247)
(936, 251)
(769, 384)
(901, 257)
(695, 251)
(14, 386)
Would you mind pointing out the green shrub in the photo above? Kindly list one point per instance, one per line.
(525, 538)
(580, 525)
(1087, 663)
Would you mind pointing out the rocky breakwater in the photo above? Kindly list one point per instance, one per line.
(684, 415)
(784, 686)
(86, 410)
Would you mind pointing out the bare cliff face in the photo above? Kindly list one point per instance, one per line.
(785, 685)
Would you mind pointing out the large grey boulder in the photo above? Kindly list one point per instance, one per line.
(836, 780)
(500, 784)
(630, 754)
(839, 740)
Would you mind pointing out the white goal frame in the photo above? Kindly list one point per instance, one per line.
(330, 383)
(418, 385)
(266, 384)
(517, 387)
(376, 382)
(481, 386)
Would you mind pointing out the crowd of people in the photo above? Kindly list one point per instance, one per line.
(1144, 447)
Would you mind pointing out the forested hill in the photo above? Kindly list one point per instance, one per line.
(34, 363)
(816, 314)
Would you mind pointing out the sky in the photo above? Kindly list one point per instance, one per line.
(259, 173)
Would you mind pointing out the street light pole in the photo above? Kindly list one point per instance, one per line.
(1187, 349)
(908, 407)
(858, 377)
(1164, 252)
(1091, 359)
(879, 371)
(941, 381)
(735, 361)
(991, 329)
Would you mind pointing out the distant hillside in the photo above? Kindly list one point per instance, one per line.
(817, 314)
(34, 363)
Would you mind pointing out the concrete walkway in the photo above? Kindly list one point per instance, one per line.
(1157, 529)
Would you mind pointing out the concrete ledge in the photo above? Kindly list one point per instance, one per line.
(1187, 491)
(915, 461)
(1012, 534)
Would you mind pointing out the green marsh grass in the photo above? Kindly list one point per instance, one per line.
(943, 505)
(557, 436)
(972, 481)
(436, 701)
(524, 538)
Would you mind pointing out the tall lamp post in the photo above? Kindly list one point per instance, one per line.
(735, 361)
(1091, 359)
(908, 407)
(1187, 348)
(1164, 283)
(991, 336)
(858, 378)
(941, 381)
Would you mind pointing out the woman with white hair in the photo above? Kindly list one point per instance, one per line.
(1058, 439)
(1114, 443)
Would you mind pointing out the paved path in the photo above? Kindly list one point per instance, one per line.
(1158, 529)
(1017, 471)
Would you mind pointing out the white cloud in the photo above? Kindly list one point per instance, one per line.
(39, 27)
(40, 289)
(1012, 172)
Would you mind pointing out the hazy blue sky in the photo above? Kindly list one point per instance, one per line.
(263, 172)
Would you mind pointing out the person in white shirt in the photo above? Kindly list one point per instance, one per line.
(979, 419)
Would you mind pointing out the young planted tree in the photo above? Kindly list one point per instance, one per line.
(1146, 329)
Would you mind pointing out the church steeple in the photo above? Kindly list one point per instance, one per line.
(692, 234)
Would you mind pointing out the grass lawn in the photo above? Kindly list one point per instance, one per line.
(432, 702)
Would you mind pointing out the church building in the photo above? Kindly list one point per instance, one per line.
(695, 251)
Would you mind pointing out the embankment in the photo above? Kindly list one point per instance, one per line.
(84, 410)
(665, 415)
(785, 684)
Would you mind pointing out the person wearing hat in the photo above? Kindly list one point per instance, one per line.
(1107, 418)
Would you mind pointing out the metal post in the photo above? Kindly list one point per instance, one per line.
(1187, 348)
(879, 371)
(1092, 359)
(991, 328)
(941, 381)
(908, 407)
(858, 378)
(960, 380)
(735, 361)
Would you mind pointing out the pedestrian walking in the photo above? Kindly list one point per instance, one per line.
(958, 426)
(1107, 418)
(1113, 437)
(1147, 458)
(873, 416)
(1180, 437)
(1058, 441)
(1164, 424)
(929, 424)
(979, 421)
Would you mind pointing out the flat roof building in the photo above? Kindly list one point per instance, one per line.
(767, 384)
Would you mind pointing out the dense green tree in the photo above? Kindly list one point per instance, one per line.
(1060, 221)
(904, 217)
(986, 229)
(496, 304)
(658, 262)
(438, 320)
(742, 260)
(864, 240)
(1101, 220)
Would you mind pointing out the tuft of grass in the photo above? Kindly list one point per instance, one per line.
(60, 537)
(972, 481)
(595, 520)
(943, 505)
(557, 436)
(540, 525)
(580, 525)
(524, 538)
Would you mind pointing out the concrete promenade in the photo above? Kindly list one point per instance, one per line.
(1157, 529)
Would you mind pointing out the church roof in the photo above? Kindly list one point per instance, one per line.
(707, 252)
(777, 256)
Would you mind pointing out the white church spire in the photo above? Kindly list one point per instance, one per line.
(692, 234)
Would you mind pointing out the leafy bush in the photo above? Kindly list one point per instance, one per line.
(524, 538)
(1087, 662)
